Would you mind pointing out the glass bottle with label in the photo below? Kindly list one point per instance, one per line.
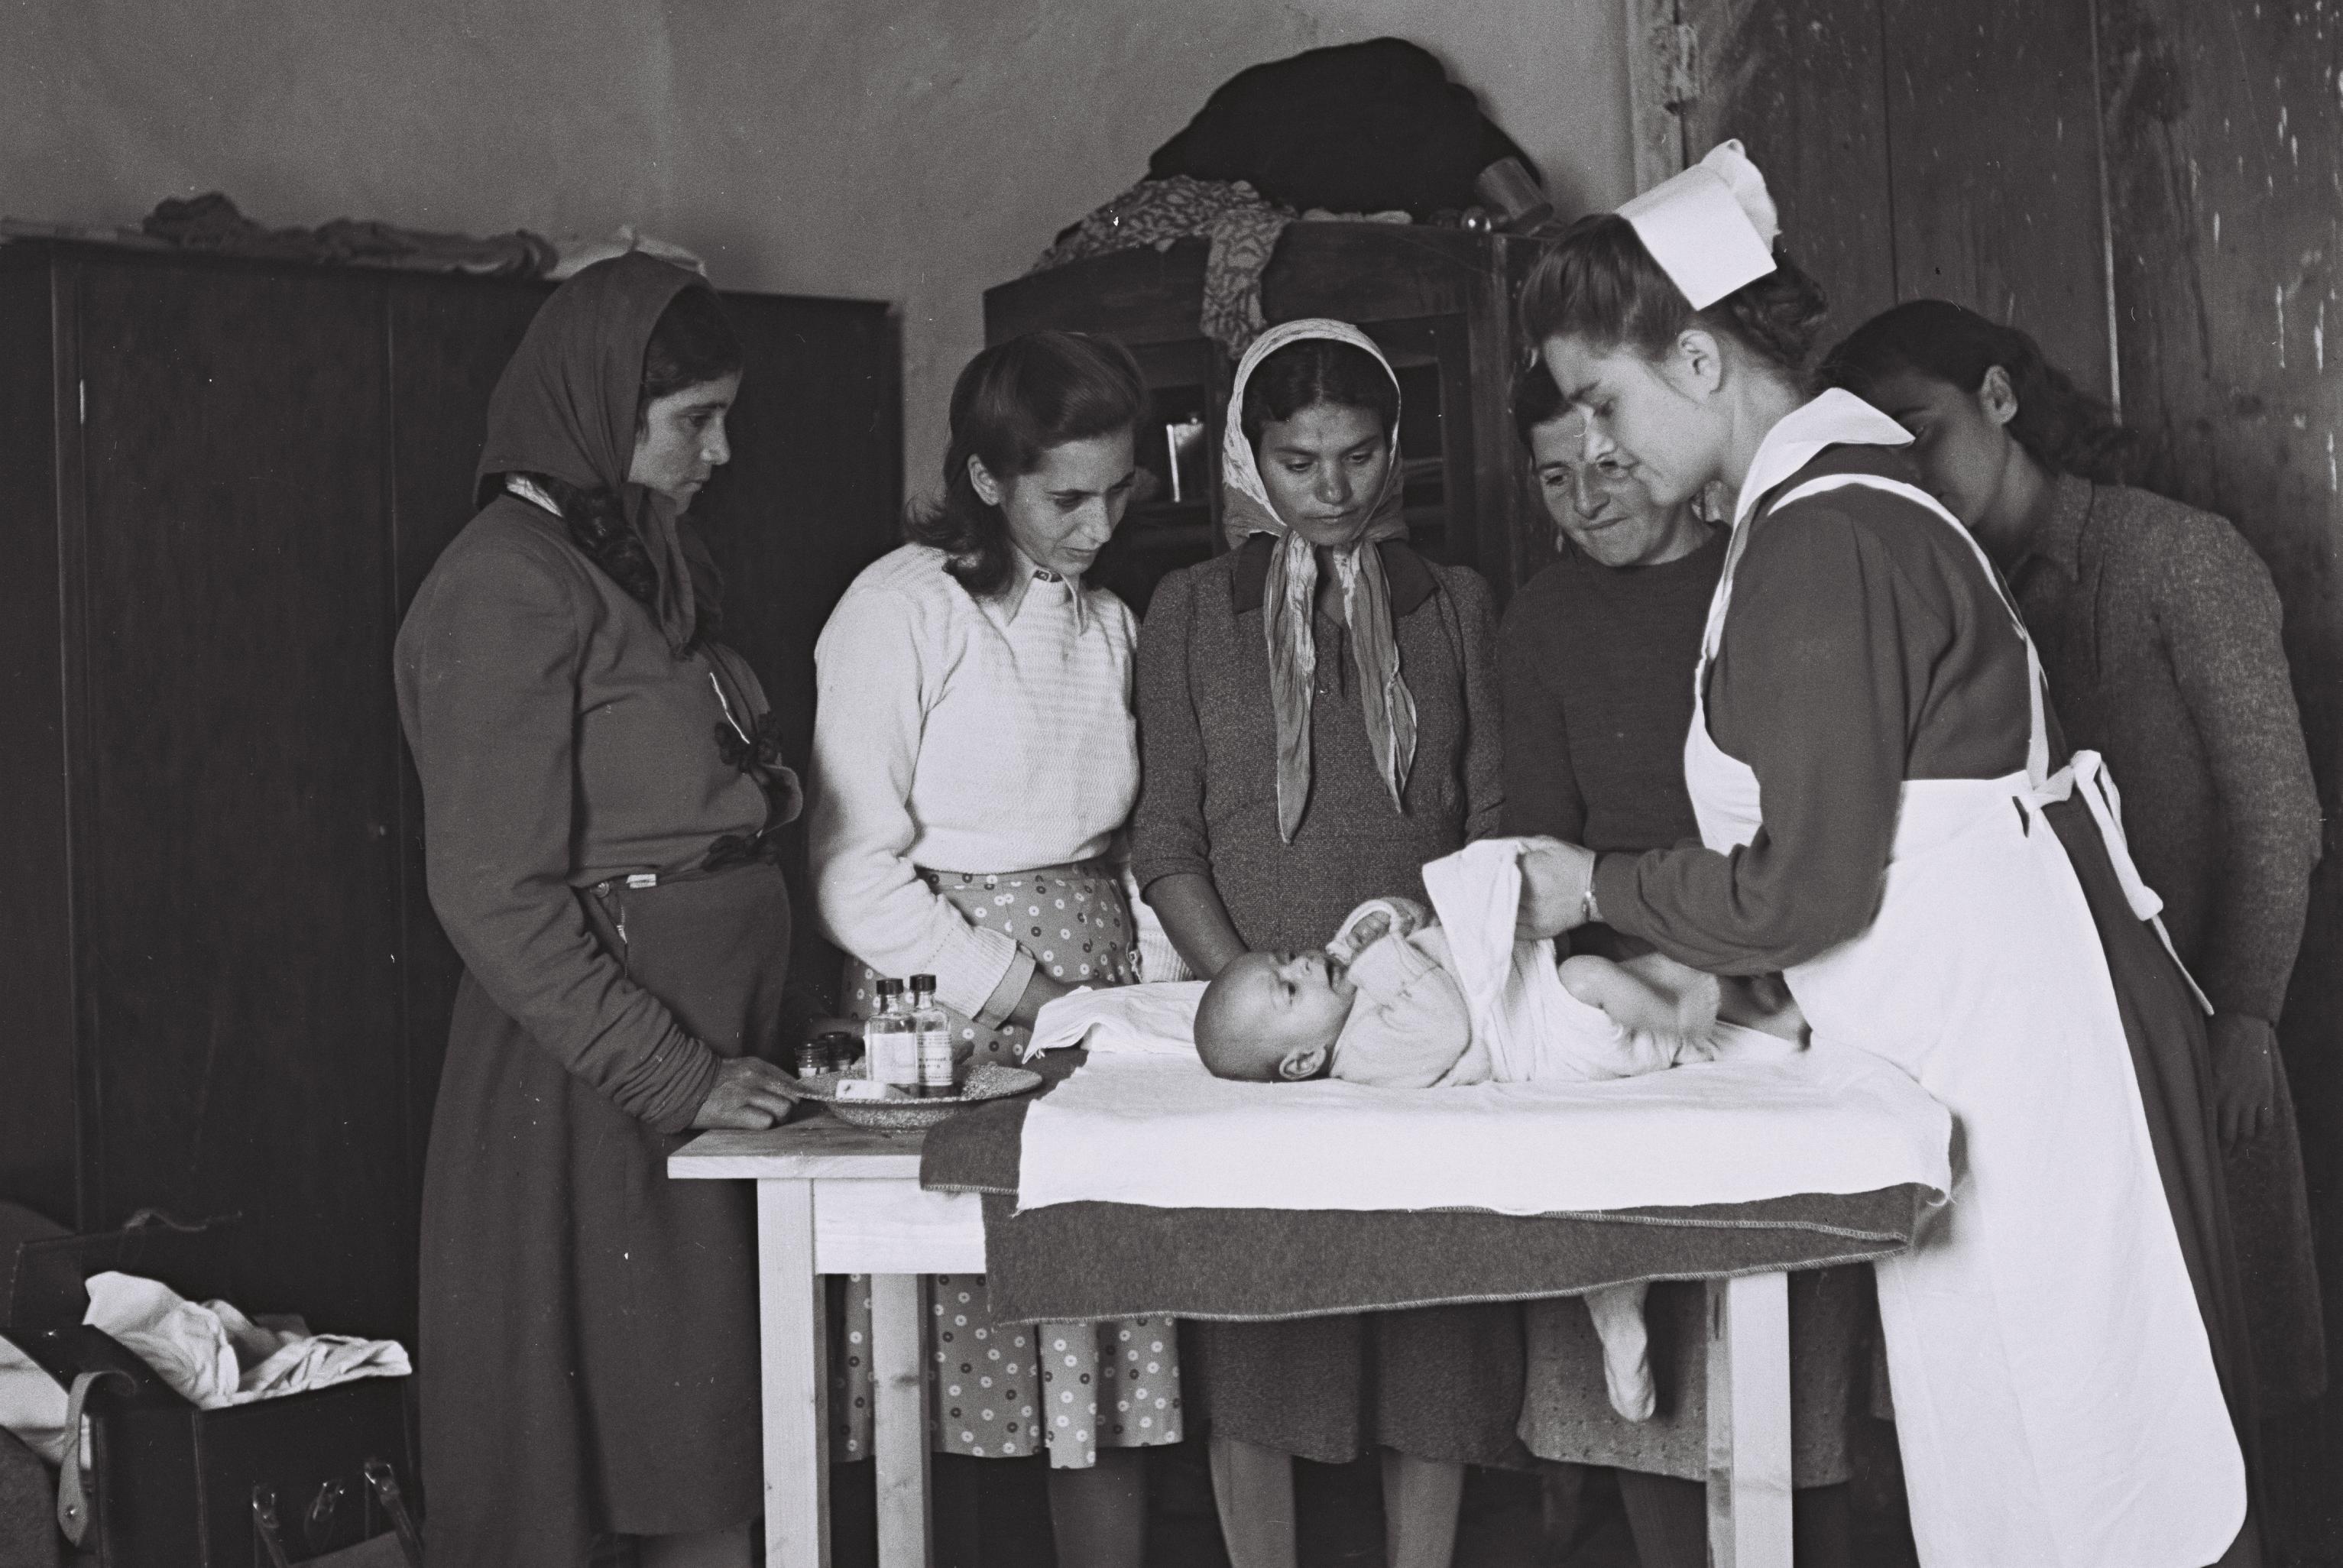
(888, 1047)
(932, 1029)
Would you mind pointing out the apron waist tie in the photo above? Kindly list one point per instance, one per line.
(2086, 774)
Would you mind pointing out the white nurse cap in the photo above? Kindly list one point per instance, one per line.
(1712, 228)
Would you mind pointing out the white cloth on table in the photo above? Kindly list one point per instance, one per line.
(1150, 1126)
(962, 735)
(214, 1356)
(1157, 1020)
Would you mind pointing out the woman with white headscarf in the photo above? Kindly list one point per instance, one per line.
(1318, 718)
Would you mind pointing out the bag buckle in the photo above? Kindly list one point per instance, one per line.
(317, 1524)
(385, 1482)
(264, 1524)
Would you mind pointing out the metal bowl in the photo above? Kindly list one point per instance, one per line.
(988, 1081)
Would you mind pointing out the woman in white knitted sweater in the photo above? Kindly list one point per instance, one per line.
(974, 755)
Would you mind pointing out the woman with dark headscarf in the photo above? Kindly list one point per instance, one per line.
(600, 781)
(1318, 718)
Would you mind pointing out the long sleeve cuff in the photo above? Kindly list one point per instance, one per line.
(972, 964)
(1616, 900)
(1004, 998)
(667, 1092)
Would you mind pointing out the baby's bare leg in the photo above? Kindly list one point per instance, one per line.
(1651, 993)
(1762, 1003)
(1618, 1312)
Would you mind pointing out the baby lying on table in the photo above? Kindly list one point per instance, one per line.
(1382, 1004)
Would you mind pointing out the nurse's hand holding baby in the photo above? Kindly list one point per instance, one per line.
(1557, 888)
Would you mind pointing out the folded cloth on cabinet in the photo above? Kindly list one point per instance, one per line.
(214, 1356)
(1085, 1260)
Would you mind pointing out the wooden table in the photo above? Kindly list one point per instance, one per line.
(838, 1200)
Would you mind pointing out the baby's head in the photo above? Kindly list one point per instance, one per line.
(1272, 1016)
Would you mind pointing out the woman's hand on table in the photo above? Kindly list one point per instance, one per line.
(1556, 879)
(750, 1094)
(2245, 1081)
(1039, 991)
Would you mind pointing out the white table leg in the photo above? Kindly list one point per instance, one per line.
(900, 1438)
(792, 1349)
(1749, 1422)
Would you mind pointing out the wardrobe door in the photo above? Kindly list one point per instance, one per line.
(450, 340)
(235, 771)
(813, 495)
(39, 1130)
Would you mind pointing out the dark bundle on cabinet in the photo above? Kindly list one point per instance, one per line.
(220, 484)
(1439, 303)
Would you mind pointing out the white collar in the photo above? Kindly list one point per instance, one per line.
(1836, 418)
(1024, 573)
(529, 489)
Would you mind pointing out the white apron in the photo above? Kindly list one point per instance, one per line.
(2056, 1398)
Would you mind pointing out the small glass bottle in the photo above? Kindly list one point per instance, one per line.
(888, 1047)
(932, 1029)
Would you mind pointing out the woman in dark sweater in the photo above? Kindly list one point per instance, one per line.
(1597, 654)
(2159, 633)
(1318, 718)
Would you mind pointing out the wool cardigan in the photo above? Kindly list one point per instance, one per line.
(2159, 633)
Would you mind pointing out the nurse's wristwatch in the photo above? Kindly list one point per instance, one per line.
(1588, 914)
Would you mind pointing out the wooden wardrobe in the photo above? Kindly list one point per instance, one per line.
(220, 483)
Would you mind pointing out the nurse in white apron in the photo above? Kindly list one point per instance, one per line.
(1887, 814)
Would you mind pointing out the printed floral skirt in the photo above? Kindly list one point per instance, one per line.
(1009, 1390)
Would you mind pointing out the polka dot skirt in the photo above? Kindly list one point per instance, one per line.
(1005, 1390)
(1071, 919)
(1011, 1389)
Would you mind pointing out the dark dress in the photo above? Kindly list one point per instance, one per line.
(2159, 634)
(588, 1327)
(1444, 1383)
(1865, 646)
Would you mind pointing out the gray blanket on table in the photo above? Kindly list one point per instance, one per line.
(1074, 1261)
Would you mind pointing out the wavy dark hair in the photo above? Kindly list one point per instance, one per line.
(1600, 285)
(1537, 400)
(1313, 370)
(2063, 428)
(1012, 404)
(691, 344)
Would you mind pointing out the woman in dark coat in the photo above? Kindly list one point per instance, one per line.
(1597, 652)
(1318, 718)
(600, 781)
